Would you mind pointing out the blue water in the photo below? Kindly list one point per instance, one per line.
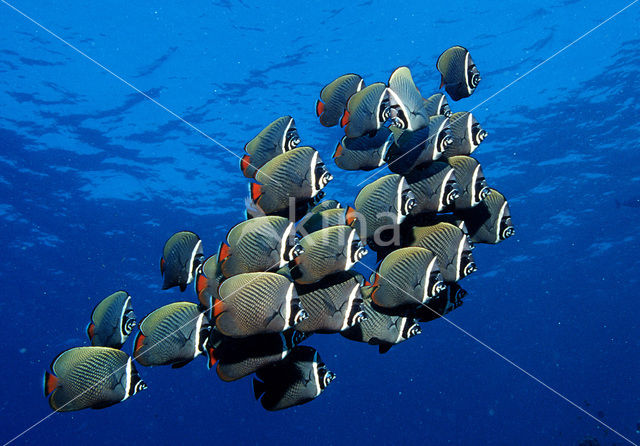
(94, 178)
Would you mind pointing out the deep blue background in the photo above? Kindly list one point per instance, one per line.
(94, 178)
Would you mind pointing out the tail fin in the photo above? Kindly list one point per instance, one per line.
(50, 383)
(319, 107)
(245, 162)
(259, 388)
(345, 118)
(256, 191)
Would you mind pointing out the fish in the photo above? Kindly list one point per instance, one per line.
(411, 150)
(435, 188)
(208, 278)
(91, 377)
(406, 278)
(445, 302)
(173, 334)
(366, 152)
(490, 221)
(297, 175)
(278, 137)
(381, 206)
(257, 303)
(235, 358)
(327, 251)
(366, 111)
(334, 96)
(437, 105)
(261, 244)
(451, 246)
(314, 221)
(459, 74)
(381, 329)
(406, 103)
(334, 303)
(299, 378)
(181, 257)
(466, 133)
(472, 184)
(112, 321)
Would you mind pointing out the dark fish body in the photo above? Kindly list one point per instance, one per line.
(208, 278)
(406, 278)
(297, 379)
(437, 105)
(260, 244)
(172, 335)
(181, 256)
(366, 152)
(278, 137)
(407, 106)
(333, 304)
(327, 251)
(112, 321)
(381, 329)
(366, 111)
(460, 76)
(434, 187)
(446, 301)
(334, 97)
(297, 175)
(472, 184)
(237, 358)
(451, 246)
(257, 303)
(382, 205)
(91, 377)
(489, 221)
(466, 134)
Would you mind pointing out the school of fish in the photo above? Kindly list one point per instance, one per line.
(287, 271)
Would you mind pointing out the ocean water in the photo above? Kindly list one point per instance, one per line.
(94, 177)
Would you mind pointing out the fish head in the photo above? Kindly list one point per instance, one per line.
(137, 384)
(128, 322)
(407, 200)
(292, 139)
(436, 282)
(473, 75)
(297, 313)
(358, 250)
(467, 264)
(325, 376)
(451, 191)
(506, 226)
(478, 134)
(411, 329)
(322, 175)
